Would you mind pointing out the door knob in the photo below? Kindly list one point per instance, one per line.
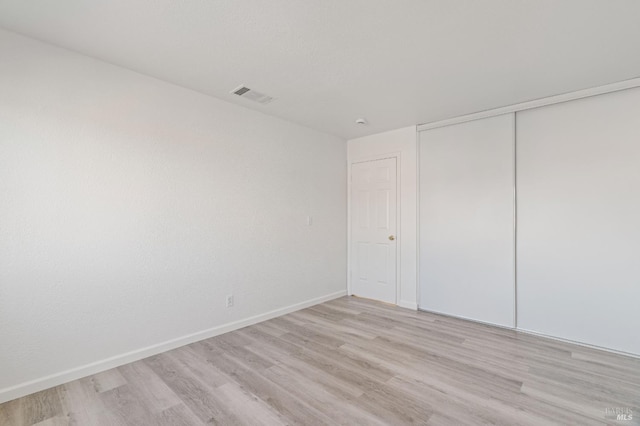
(391, 237)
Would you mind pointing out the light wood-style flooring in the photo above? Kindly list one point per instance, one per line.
(351, 362)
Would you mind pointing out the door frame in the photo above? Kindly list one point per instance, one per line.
(351, 162)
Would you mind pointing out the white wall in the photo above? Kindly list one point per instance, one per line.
(129, 209)
(402, 141)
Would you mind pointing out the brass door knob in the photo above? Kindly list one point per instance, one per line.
(391, 237)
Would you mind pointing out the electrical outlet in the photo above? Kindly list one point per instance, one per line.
(229, 300)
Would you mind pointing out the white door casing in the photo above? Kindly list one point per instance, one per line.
(373, 201)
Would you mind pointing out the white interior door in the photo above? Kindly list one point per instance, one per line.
(373, 229)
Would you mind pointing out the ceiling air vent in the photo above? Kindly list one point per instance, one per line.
(252, 95)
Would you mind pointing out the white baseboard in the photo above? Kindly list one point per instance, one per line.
(408, 305)
(26, 388)
(574, 342)
(535, 333)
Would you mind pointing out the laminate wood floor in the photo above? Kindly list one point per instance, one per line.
(352, 362)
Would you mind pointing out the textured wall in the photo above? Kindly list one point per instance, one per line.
(129, 209)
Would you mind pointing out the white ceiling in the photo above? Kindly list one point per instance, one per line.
(328, 62)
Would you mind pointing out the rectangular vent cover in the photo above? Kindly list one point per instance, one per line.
(252, 95)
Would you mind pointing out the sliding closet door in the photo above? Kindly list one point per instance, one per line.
(578, 248)
(466, 220)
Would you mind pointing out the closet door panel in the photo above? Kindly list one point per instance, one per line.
(578, 181)
(467, 220)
